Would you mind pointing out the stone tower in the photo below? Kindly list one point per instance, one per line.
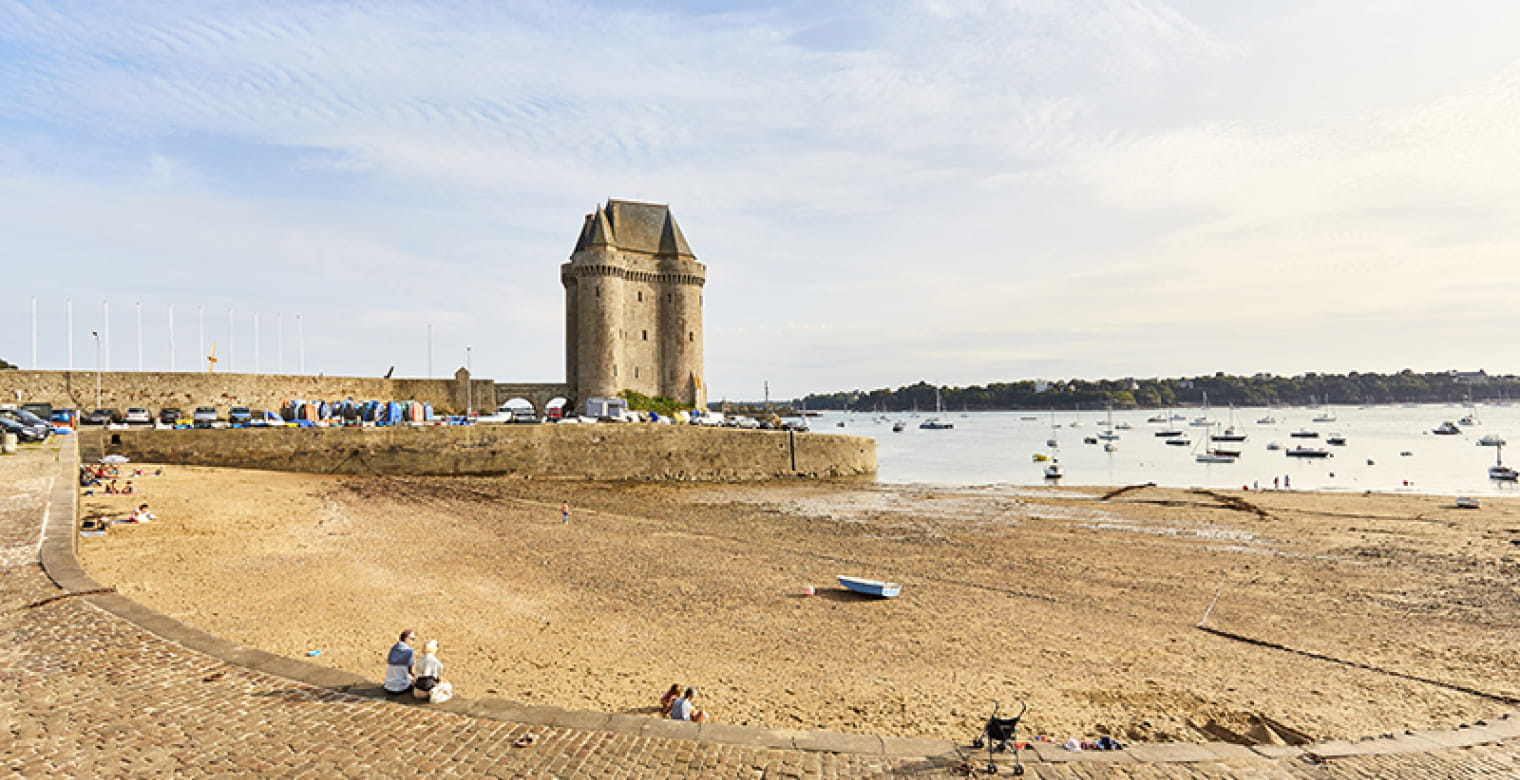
(633, 306)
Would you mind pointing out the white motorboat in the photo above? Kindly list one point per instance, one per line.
(1324, 417)
(1336, 440)
(1274, 446)
(1491, 440)
(1447, 428)
(1307, 452)
(1053, 470)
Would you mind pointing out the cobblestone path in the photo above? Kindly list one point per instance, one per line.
(86, 693)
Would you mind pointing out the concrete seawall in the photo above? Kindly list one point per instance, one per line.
(598, 452)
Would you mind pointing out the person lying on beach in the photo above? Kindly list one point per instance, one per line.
(398, 665)
(430, 683)
(684, 709)
(669, 698)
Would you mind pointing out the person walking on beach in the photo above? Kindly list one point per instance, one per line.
(1287, 482)
(564, 512)
(398, 665)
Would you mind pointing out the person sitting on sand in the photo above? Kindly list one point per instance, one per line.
(398, 665)
(127, 491)
(111, 488)
(669, 698)
(684, 709)
(430, 683)
(141, 515)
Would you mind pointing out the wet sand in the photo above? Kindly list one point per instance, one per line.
(1087, 609)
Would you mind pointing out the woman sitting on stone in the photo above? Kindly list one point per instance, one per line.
(430, 684)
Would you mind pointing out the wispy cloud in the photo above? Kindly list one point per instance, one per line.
(976, 190)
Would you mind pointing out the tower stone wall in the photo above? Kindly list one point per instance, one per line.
(633, 306)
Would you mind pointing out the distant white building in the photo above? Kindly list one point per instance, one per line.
(1479, 377)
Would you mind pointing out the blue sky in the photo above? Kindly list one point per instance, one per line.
(883, 192)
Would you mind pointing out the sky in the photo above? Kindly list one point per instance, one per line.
(883, 192)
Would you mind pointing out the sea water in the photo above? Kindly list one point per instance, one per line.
(998, 448)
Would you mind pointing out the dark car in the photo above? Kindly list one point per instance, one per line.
(170, 415)
(41, 410)
(39, 428)
(101, 417)
(22, 432)
(239, 415)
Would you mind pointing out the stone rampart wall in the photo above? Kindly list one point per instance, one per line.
(600, 452)
(155, 390)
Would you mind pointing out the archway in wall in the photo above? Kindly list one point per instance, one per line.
(520, 407)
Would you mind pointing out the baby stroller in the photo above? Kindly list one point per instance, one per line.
(998, 735)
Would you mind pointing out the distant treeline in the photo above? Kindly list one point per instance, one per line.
(1222, 390)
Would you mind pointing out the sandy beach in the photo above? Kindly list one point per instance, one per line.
(1379, 612)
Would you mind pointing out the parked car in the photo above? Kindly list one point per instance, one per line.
(524, 415)
(170, 415)
(239, 415)
(204, 416)
(101, 417)
(38, 428)
(138, 415)
(22, 432)
(63, 416)
(41, 410)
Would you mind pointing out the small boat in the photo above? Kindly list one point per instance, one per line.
(1123, 426)
(1089, 440)
(1179, 441)
(1406, 454)
(1053, 471)
(1040, 457)
(1156, 418)
(1168, 433)
(1109, 446)
(1307, 452)
(1491, 440)
(1268, 420)
(1274, 446)
(1336, 439)
(1225, 452)
(886, 590)
(898, 426)
(1324, 417)
(1228, 434)
(1212, 455)
(1500, 471)
(1467, 502)
(1304, 433)
(1447, 428)
(937, 422)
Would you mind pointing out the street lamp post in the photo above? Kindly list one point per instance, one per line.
(469, 385)
(96, 334)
